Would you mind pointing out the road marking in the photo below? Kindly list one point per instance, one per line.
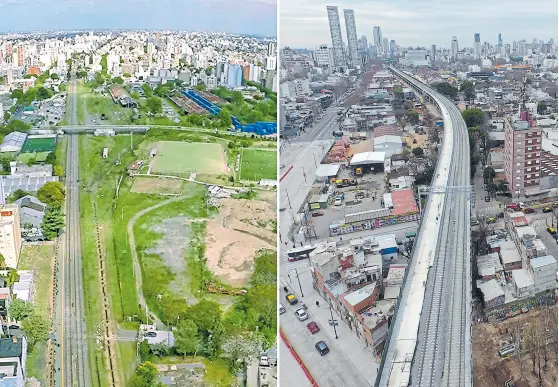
(285, 174)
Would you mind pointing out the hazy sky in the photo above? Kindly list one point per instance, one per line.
(304, 23)
(256, 17)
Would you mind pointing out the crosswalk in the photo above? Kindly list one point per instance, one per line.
(539, 222)
(491, 209)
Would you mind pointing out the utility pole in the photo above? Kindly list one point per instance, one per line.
(300, 288)
(288, 201)
(304, 175)
(333, 322)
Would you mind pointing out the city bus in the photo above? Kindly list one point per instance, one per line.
(299, 253)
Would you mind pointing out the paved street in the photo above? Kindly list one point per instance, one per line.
(291, 373)
(361, 363)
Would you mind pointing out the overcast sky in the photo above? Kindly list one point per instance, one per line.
(304, 23)
(257, 17)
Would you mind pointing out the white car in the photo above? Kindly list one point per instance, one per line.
(301, 314)
(338, 202)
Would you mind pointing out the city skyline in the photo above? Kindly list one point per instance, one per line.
(256, 17)
(304, 24)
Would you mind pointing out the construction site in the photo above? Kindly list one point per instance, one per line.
(521, 350)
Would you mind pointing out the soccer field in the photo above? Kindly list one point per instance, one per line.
(258, 164)
(175, 157)
(39, 144)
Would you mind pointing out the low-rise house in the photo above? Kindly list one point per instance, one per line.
(493, 294)
(13, 358)
(23, 289)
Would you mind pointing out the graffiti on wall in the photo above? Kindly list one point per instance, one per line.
(513, 309)
(341, 229)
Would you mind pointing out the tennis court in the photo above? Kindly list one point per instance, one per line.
(175, 157)
(34, 144)
(258, 164)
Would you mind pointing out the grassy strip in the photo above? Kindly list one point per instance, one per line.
(39, 258)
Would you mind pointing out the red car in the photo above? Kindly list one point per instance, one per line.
(313, 327)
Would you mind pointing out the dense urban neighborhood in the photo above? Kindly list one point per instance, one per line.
(418, 208)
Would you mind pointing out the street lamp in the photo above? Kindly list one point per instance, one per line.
(333, 322)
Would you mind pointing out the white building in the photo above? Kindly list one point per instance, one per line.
(324, 57)
(544, 270)
(10, 234)
(388, 144)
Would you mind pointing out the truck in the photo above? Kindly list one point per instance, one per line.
(340, 183)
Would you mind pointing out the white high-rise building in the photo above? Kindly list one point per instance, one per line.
(477, 45)
(336, 34)
(351, 31)
(324, 57)
(377, 39)
(454, 46)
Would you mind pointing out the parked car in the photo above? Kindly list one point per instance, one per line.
(500, 215)
(291, 299)
(322, 348)
(529, 210)
(317, 213)
(338, 202)
(313, 327)
(281, 309)
(301, 314)
(150, 334)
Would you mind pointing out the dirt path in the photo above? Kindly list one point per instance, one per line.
(136, 261)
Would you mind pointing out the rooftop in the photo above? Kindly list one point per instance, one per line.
(491, 290)
(360, 294)
(403, 202)
(11, 347)
(374, 315)
(543, 261)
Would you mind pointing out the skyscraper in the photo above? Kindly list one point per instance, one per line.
(336, 34)
(363, 45)
(433, 53)
(385, 47)
(377, 37)
(454, 46)
(351, 31)
(477, 45)
(393, 47)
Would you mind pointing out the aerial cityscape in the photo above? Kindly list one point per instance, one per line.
(418, 194)
(138, 201)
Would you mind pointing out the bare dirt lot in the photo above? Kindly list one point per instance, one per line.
(159, 186)
(490, 370)
(242, 228)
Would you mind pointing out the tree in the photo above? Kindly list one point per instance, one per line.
(224, 117)
(473, 117)
(413, 117)
(51, 158)
(148, 92)
(488, 174)
(54, 76)
(468, 88)
(205, 315)
(17, 125)
(502, 186)
(200, 87)
(2, 262)
(161, 91)
(53, 223)
(153, 105)
(541, 108)
(237, 349)
(145, 376)
(44, 93)
(37, 329)
(127, 75)
(186, 337)
(52, 194)
(118, 80)
(17, 194)
(7, 116)
(446, 89)
(31, 161)
(20, 309)
(398, 92)
(58, 170)
(417, 151)
(17, 94)
(237, 97)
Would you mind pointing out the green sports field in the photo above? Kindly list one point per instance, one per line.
(175, 157)
(32, 145)
(258, 164)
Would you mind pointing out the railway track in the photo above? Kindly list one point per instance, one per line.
(75, 366)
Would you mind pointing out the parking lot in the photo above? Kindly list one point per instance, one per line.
(366, 196)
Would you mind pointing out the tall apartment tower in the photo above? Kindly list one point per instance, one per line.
(351, 32)
(454, 46)
(10, 234)
(336, 34)
(433, 53)
(523, 147)
(477, 45)
(324, 57)
(377, 38)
